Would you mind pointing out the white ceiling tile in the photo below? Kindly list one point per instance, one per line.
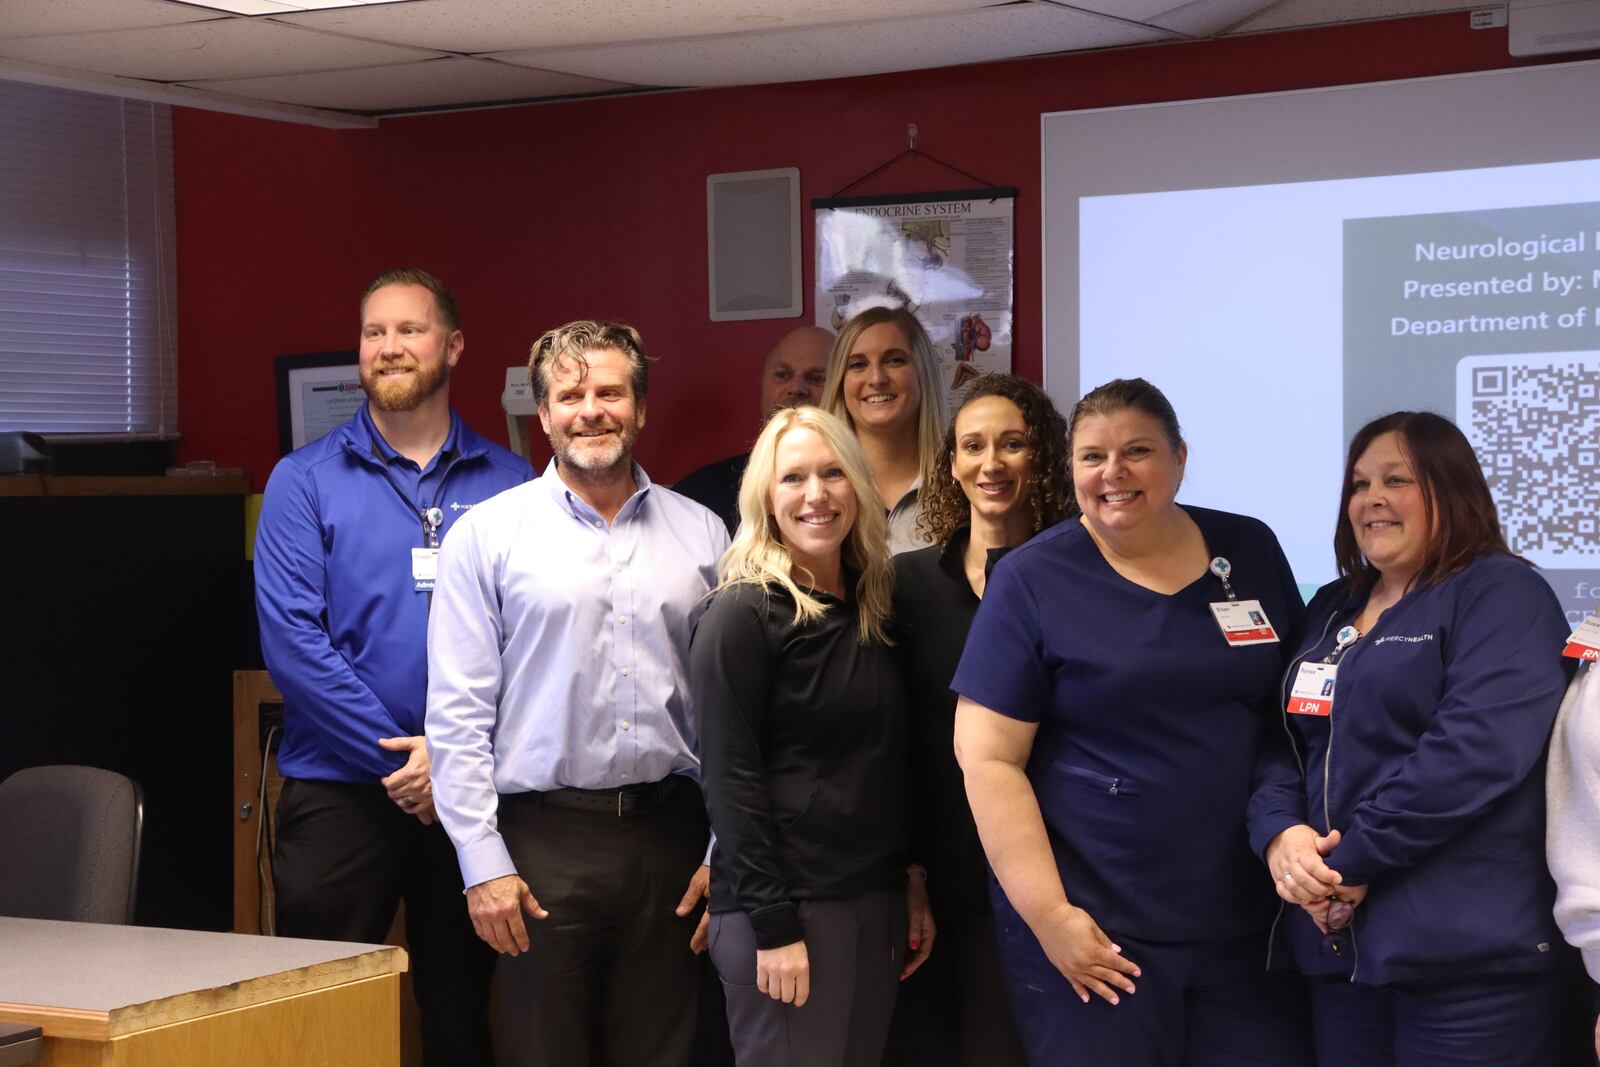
(1288, 14)
(221, 48)
(1205, 18)
(504, 25)
(846, 51)
(389, 58)
(1134, 10)
(434, 83)
(30, 18)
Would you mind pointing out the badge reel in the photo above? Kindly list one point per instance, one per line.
(425, 561)
(1312, 691)
(1243, 622)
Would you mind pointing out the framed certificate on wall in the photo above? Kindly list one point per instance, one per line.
(317, 391)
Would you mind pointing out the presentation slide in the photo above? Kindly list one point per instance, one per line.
(1281, 317)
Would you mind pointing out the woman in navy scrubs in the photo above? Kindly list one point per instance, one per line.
(1414, 842)
(1110, 732)
(1002, 476)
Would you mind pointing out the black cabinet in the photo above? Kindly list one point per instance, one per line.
(124, 609)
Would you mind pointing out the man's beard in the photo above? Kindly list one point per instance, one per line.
(591, 460)
(406, 392)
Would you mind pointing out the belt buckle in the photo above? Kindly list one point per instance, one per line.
(619, 803)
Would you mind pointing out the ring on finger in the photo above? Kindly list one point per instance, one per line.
(1288, 878)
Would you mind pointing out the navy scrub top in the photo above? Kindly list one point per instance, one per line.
(1151, 726)
(1440, 720)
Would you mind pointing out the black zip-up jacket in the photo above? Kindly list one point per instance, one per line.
(933, 609)
(802, 747)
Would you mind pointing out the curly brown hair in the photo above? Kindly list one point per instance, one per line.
(945, 506)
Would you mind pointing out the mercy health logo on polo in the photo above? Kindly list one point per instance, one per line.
(1584, 644)
(1416, 640)
(456, 505)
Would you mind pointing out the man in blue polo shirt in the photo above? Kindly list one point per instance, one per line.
(345, 554)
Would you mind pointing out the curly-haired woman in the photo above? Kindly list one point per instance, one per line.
(1001, 476)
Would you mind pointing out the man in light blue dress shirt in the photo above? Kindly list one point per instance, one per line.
(562, 736)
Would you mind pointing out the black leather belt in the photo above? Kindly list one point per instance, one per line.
(629, 800)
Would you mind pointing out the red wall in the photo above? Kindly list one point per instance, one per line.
(537, 215)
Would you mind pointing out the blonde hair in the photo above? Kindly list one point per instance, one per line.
(932, 414)
(758, 555)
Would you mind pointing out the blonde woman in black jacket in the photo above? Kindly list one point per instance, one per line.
(802, 742)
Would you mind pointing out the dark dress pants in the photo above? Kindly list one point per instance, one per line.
(609, 980)
(855, 948)
(346, 856)
(953, 1012)
(712, 1046)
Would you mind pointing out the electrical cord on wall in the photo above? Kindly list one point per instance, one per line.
(264, 859)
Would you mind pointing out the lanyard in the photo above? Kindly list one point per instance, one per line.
(432, 517)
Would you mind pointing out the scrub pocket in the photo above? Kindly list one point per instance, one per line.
(1098, 814)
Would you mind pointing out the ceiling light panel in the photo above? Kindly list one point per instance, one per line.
(281, 7)
(411, 86)
(216, 48)
(33, 18)
(247, 7)
(504, 25)
(846, 51)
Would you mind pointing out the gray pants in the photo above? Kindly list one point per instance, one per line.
(856, 948)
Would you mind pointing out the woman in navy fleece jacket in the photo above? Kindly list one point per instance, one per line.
(1412, 837)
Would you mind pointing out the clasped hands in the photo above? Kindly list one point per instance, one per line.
(1297, 858)
(1094, 964)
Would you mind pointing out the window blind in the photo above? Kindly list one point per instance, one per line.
(88, 301)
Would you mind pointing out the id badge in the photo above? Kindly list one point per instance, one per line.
(424, 568)
(1312, 692)
(1584, 644)
(1244, 622)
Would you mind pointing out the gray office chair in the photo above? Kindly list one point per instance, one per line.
(69, 844)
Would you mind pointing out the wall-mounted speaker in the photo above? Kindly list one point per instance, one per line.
(753, 244)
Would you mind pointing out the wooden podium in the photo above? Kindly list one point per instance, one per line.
(134, 996)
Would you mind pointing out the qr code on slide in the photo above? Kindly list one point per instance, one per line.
(1534, 421)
